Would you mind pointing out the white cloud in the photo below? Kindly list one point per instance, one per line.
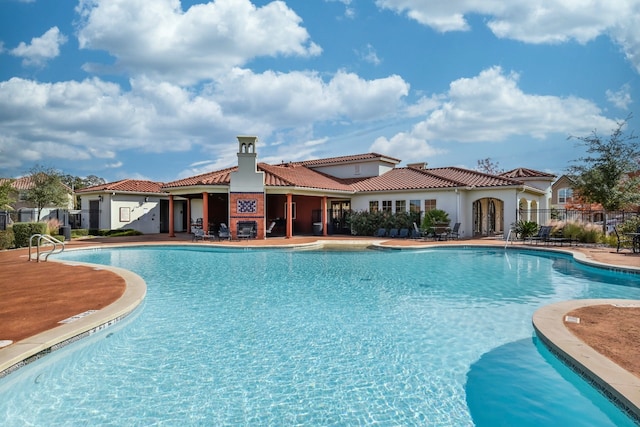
(160, 40)
(94, 119)
(41, 49)
(369, 54)
(490, 107)
(535, 21)
(300, 98)
(620, 98)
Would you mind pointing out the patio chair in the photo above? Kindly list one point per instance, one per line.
(198, 234)
(246, 232)
(224, 232)
(393, 233)
(622, 239)
(382, 232)
(404, 233)
(454, 233)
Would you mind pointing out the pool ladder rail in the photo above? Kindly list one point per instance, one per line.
(44, 239)
(508, 238)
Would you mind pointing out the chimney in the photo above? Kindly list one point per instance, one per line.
(419, 165)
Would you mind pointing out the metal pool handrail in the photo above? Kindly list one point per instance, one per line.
(58, 246)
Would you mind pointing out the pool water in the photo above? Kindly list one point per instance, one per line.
(439, 337)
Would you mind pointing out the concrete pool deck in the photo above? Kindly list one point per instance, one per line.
(36, 297)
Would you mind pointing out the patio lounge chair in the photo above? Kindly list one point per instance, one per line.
(543, 235)
(270, 228)
(416, 233)
(393, 233)
(382, 232)
(404, 233)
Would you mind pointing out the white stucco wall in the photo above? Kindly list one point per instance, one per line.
(356, 170)
(142, 216)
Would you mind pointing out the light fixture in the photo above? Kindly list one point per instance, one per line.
(146, 199)
(100, 198)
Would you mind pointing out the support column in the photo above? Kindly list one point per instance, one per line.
(205, 212)
(289, 233)
(171, 225)
(324, 216)
(189, 215)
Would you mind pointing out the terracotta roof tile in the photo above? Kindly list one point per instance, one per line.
(221, 177)
(126, 185)
(346, 159)
(298, 175)
(402, 179)
(526, 173)
(471, 178)
(25, 183)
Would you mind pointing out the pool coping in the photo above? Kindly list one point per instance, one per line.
(609, 378)
(617, 384)
(30, 349)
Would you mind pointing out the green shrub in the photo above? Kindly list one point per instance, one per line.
(365, 223)
(433, 217)
(7, 239)
(80, 232)
(24, 230)
(524, 229)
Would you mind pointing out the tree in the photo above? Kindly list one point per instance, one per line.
(608, 173)
(76, 183)
(6, 198)
(489, 166)
(47, 189)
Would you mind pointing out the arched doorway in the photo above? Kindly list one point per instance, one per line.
(488, 217)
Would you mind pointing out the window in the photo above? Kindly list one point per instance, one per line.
(401, 206)
(429, 205)
(125, 214)
(565, 195)
(373, 206)
(387, 206)
(414, 206)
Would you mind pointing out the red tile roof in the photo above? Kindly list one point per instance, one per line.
(25, 183)
(348, 159)
(221, 177)
(126, 185)
(471, 178)
(298, 175)
(526, 173)
(402, 179)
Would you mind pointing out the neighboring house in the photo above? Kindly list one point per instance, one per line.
(132, 204)
(301, 195)
(26, 211)
(562, 193)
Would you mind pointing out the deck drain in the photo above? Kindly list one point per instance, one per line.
(571, 319)
(77, 316)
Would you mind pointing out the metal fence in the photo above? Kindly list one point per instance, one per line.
(596, 217)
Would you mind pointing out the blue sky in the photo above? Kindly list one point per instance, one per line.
(158, 89)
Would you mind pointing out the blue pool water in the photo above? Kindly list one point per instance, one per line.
(439, 337)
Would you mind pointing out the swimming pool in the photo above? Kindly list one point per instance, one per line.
(280, 337)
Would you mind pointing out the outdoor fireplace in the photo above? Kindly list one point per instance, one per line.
(247, 229)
